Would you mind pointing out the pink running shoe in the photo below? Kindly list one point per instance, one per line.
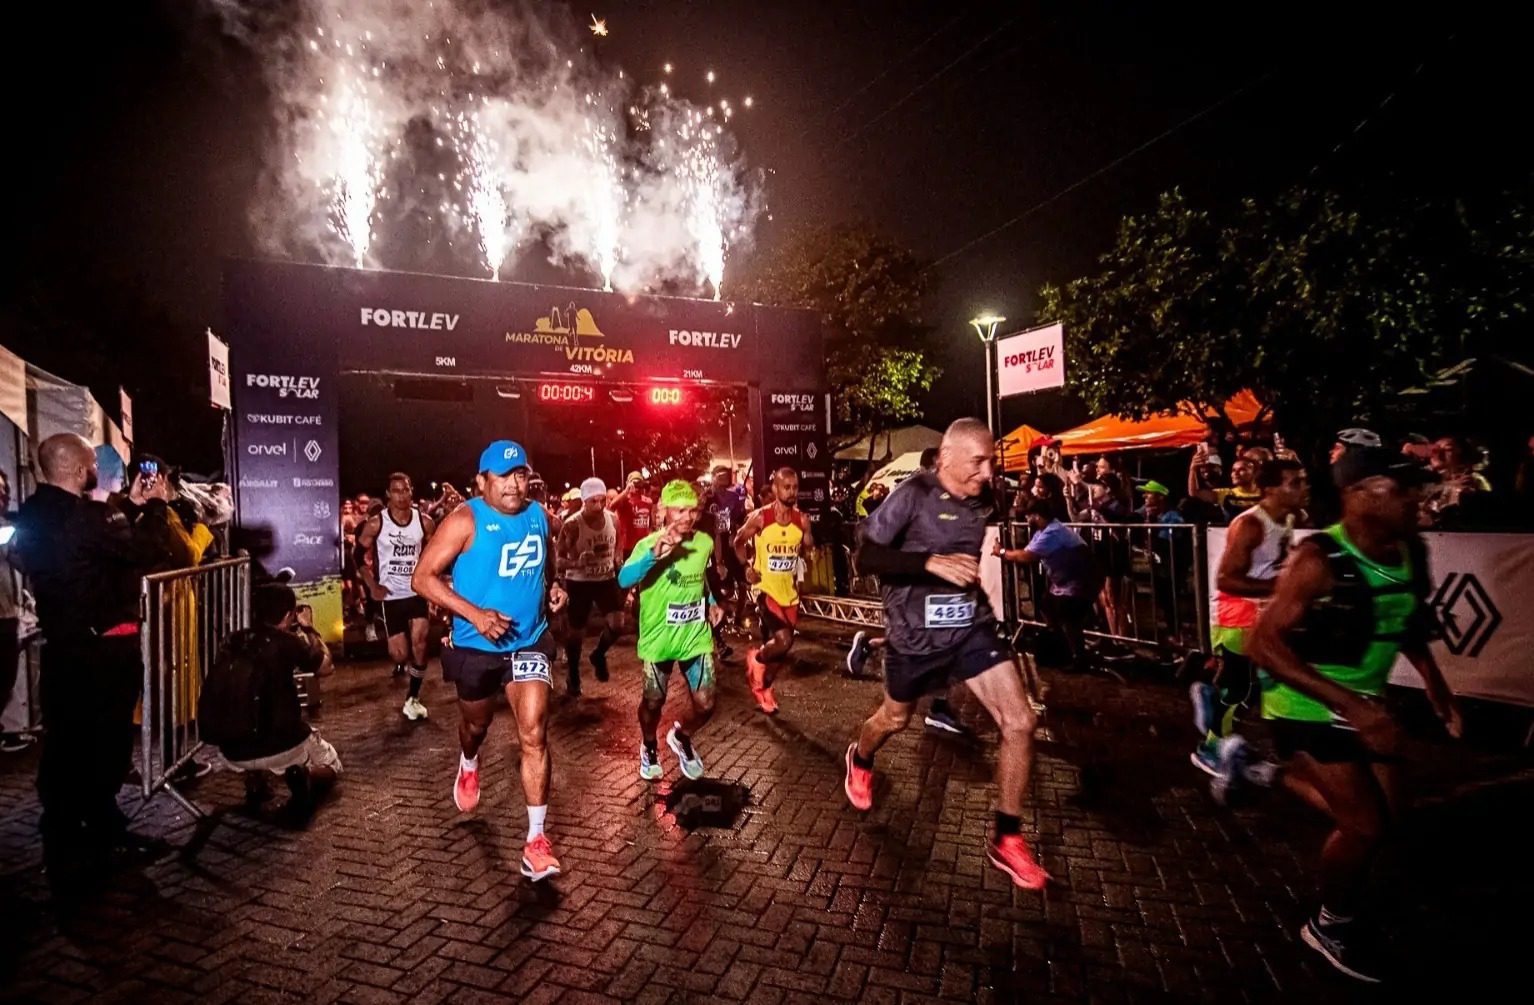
(1012, 857)
(466, 789)
(538, 861)
(859, 784)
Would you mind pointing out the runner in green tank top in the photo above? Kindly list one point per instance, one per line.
(676, 611)
(1349, 600)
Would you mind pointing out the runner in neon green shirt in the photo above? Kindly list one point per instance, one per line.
(676, 611)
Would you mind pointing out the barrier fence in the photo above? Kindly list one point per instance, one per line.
(1154, 595)
(187, 614)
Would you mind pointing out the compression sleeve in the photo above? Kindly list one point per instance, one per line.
(637, 567)
(884, 560)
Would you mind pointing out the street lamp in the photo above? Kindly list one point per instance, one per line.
(985, 327)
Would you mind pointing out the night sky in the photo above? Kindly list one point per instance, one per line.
(134, 155)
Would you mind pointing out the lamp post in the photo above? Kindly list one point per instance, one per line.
(985, 327)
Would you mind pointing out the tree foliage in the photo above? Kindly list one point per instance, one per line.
(869, 291)
(1326, 311)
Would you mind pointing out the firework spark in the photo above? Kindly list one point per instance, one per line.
(598, 26)
(498, 130)
(354, 126)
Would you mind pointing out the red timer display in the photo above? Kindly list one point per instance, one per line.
(574, 394)
(571, 393)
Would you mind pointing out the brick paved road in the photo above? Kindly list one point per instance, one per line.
(391, 895)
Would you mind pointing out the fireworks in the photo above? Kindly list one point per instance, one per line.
(487, 203)
(440, 112)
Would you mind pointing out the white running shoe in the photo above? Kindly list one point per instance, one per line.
(414, 710)
(692, 764)
(649, 769)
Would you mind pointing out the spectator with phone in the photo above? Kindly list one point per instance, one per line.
(84, 560)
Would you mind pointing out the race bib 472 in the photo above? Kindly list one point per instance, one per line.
(530, 666)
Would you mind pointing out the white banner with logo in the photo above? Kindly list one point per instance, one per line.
(125, 408)
(1482, 590)
(1031, 361)
(218, 372)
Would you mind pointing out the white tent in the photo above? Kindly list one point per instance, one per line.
(40, 404)
(898, 470)
(34, 405)
(892, 443)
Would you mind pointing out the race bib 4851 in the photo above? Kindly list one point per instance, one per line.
(950, 610)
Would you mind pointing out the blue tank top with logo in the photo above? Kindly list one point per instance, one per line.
(503, 570)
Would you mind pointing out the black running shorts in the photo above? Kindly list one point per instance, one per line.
(907, 678)
(398, 614)
(604, 596)
(479, 674)
(1326, 742)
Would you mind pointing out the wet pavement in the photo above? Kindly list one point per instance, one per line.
(760, 883)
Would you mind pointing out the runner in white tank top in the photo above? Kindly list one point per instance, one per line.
(1256, 545)
(588, 563)
(397, 537)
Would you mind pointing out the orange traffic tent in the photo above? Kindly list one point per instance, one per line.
(1163, 431)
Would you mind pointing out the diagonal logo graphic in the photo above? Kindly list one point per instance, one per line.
(1466, 613)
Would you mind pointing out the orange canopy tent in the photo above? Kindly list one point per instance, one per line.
(1015, 446)
(1163, 431)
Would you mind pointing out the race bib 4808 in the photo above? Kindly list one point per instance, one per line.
(950, 610)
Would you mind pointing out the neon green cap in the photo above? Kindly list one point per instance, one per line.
(678, 494)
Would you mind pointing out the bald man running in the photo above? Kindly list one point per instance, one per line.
(924, 544)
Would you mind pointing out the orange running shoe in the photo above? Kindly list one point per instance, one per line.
(538, 861)
(466, 789)
(1012, 857)
(755, 675)
(859, 785)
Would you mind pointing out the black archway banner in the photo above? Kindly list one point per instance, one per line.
(293, 329)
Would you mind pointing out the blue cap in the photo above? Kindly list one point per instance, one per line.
(503, 457)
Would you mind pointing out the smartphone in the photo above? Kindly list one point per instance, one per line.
(7, 534)
(148, 468)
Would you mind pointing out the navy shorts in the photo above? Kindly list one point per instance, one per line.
(479, 674)
(907, 678)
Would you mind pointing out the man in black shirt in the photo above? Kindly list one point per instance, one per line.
(282, 643)
(924, 543)
(84, 562)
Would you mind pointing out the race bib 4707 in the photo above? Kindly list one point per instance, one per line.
(950, 610)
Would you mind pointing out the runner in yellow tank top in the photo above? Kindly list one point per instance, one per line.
(770, 544)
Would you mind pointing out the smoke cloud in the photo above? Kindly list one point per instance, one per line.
(450, 135)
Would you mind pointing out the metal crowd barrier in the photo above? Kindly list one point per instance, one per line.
(1154, 598)
(187, 614)
(1154, 594)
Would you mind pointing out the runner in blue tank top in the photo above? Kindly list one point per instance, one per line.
(499, 549)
